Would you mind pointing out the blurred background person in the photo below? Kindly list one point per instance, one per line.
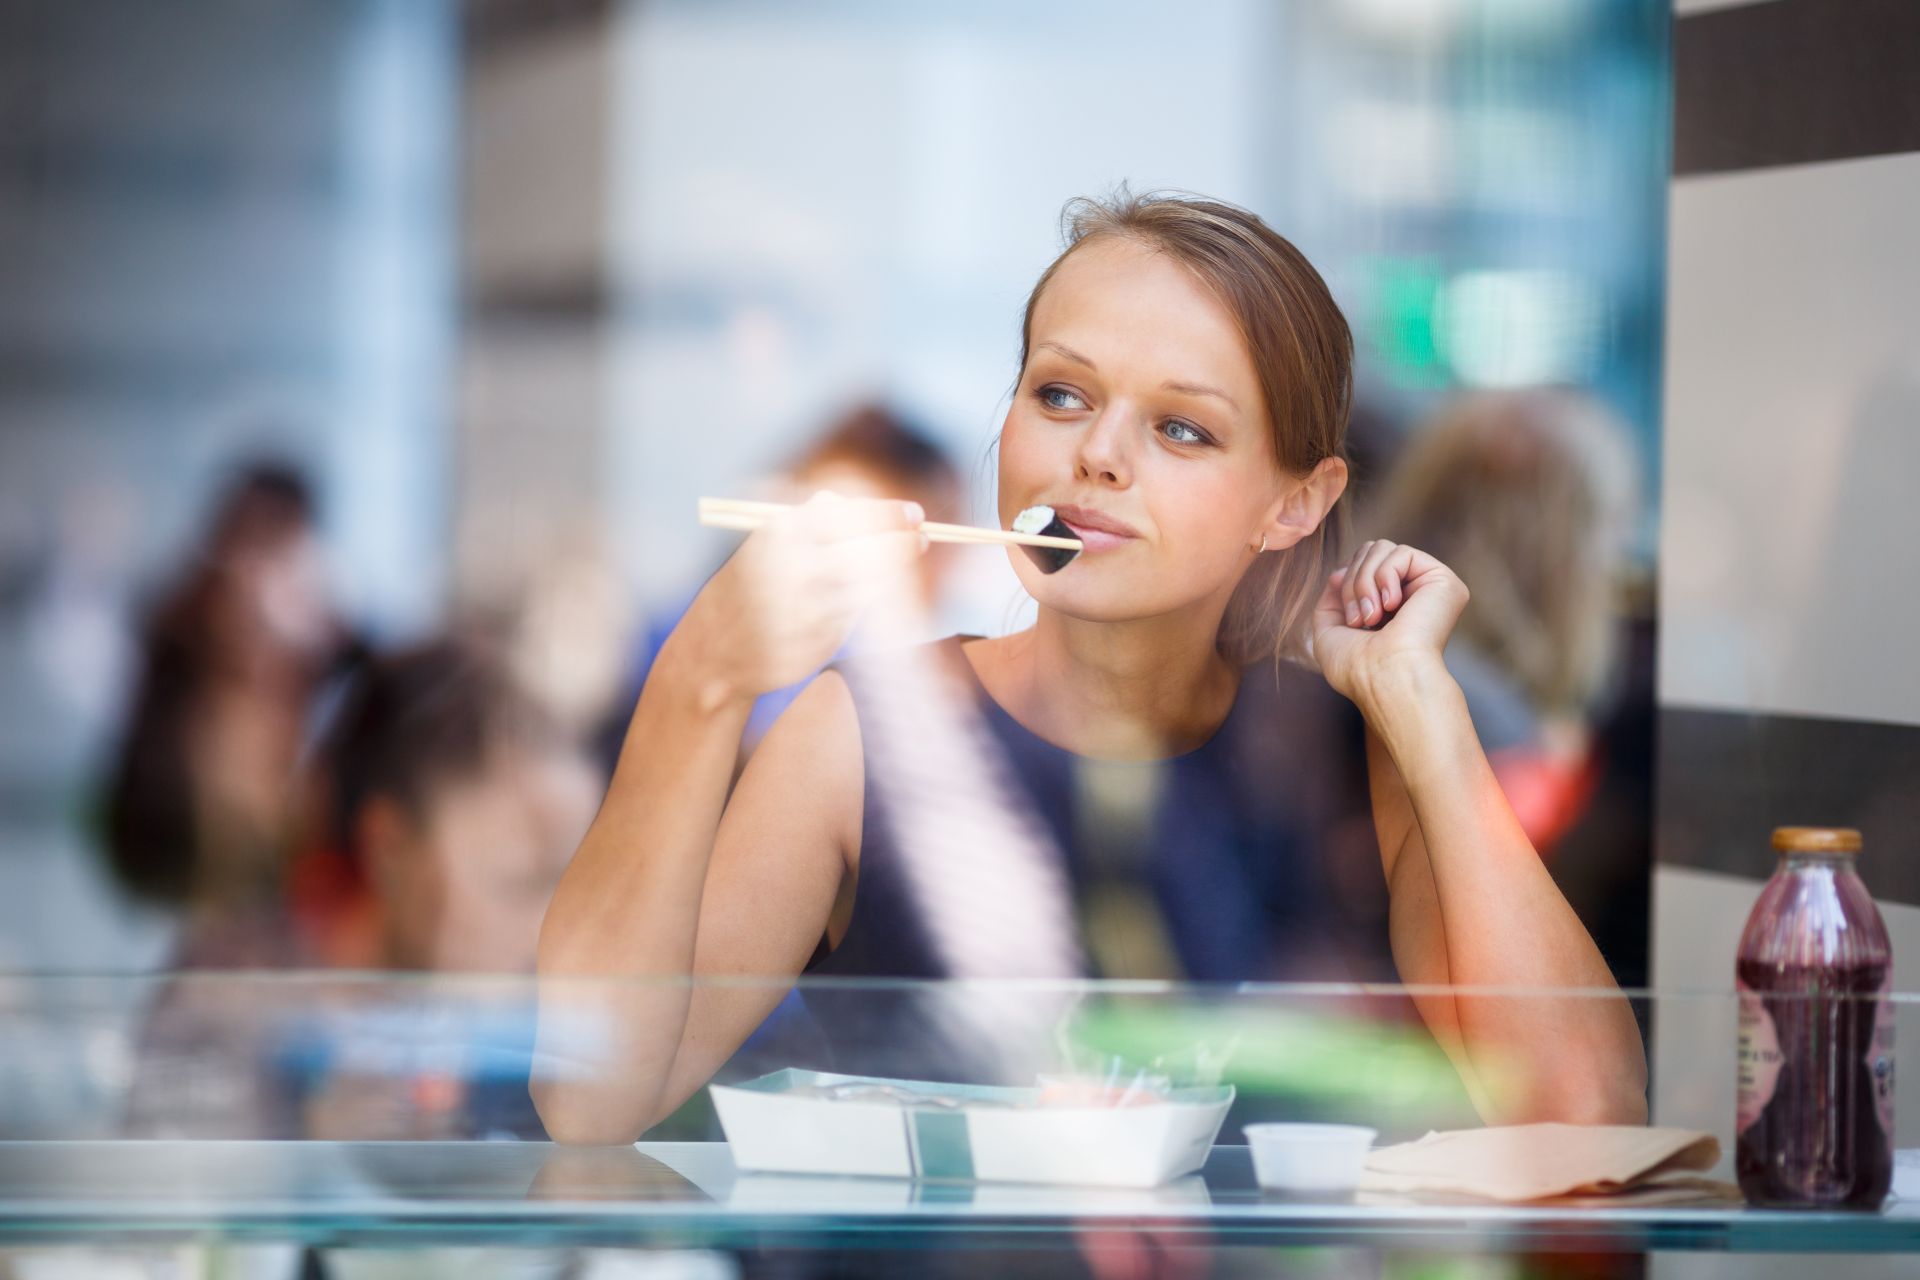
(1531, 496)
(454, 801)
(202, 805)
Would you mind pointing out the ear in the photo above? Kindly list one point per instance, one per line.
(1304, 506)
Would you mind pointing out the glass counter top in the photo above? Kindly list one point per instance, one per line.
(328, 1108)
(689, 1193)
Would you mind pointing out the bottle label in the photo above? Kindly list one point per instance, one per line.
(1880, 1057)
(1760, 1057)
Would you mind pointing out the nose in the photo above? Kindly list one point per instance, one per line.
(1102, 453)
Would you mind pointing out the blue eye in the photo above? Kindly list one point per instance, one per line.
(1183, 432)
(1047, 395)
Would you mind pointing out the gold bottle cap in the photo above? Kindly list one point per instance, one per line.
(1816, 840)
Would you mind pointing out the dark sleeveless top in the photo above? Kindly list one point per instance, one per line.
(1254, 854)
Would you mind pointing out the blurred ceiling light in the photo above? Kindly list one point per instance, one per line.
(1404, 21)
(1387, 153)
(1536, 19)
(1398, 320)
(1518, 328)
(1434, 21)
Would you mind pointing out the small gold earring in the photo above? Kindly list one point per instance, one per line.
(1263, 545)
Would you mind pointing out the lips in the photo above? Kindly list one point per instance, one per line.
(1096, 529)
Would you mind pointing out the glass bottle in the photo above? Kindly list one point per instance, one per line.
(1815, 1126)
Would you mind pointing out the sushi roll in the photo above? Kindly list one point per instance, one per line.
(1044, 521)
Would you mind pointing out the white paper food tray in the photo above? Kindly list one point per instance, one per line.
(770, 1130)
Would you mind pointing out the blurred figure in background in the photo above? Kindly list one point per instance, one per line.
(870, 451)
(201, 807)
(454, 802)
(873, 452)
(1530, 496)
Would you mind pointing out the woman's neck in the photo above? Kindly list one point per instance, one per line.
(1136, 690)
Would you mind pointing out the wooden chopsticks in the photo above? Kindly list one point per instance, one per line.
(731, 513)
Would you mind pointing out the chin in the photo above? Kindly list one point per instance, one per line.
(1093, 591)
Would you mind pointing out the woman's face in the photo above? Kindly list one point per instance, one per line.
(1140, 420)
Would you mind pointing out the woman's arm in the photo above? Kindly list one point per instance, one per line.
(672, 880)
(1470, 903)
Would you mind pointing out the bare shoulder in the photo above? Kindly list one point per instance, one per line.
(808, 773)
(993, 653)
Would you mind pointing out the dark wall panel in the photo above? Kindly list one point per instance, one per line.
(1728, 778)
(1795, 82)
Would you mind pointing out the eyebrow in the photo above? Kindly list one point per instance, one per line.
(1068, 352)
(1199, 389)
(1185, 388)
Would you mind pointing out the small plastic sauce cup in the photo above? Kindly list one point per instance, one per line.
(1309, 1159)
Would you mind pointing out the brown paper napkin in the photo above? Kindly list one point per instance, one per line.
(1543, 1161)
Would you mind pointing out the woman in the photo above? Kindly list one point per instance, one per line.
(1184, 386)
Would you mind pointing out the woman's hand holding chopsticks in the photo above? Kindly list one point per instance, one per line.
(787, 600)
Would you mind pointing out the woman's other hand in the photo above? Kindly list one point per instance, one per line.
(786, 601)
(1389, 606)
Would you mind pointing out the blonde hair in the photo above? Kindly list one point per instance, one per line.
(1302, 351)
(1528, 496)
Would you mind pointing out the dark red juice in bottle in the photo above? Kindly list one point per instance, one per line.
(1815, 1125)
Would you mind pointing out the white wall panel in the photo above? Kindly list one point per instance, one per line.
(1792, 442)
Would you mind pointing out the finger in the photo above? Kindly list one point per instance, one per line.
(1355, 559)
(1389, 578)
(1334, 591)
(1360, 582)
(830, 518)
(1366, 582)
(1350, 584)
(1381, 575)
(1331, 593)
(1419, 563)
